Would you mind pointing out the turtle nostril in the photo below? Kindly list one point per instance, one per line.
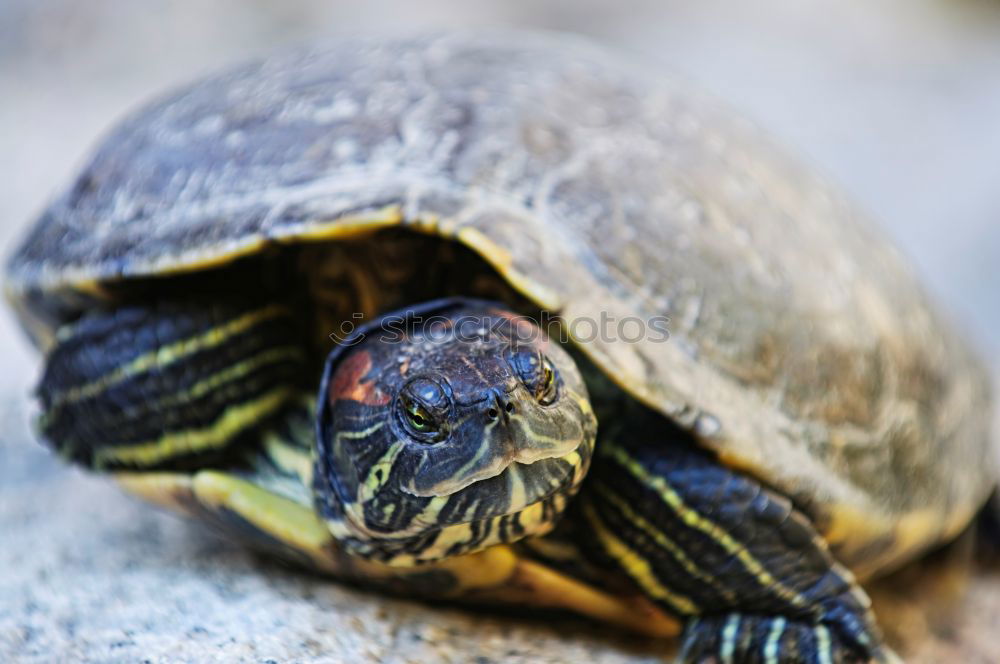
(492, 413)
(509, 407)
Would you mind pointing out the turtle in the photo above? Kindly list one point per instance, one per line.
(507, 317)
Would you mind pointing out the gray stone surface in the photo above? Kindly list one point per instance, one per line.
(898, 100)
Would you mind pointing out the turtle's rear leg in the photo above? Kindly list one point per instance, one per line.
(750, 572)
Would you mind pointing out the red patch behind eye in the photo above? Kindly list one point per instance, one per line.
(348, 382)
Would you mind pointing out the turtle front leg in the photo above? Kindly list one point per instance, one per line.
(750, 573)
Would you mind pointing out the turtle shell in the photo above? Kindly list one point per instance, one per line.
(801, 349)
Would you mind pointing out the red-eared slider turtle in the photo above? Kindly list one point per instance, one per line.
(781, 411)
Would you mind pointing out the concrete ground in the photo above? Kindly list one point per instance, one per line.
(899, 101)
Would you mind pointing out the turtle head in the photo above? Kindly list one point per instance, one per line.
(446, 433)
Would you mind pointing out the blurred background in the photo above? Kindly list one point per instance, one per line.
(896, 101)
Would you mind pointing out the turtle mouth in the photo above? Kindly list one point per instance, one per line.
(522, 500)
(514, 489)
(537, 515)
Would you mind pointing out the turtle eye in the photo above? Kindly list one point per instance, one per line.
(422, 405)
(419, 418)
(546, 393)
(537, 373)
